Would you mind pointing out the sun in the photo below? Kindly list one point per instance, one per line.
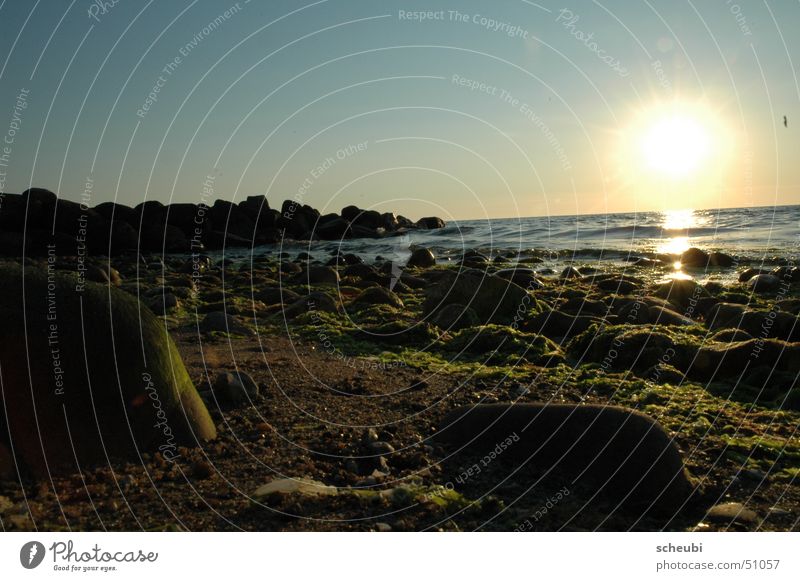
(673, 154)
(676, 145)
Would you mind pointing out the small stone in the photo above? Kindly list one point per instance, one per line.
(370, 436)
(730, 513)
(383, 527)
(202, 470)
(380, 447)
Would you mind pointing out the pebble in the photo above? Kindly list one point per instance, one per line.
(380, 447)
(730, 513)
(383, 527)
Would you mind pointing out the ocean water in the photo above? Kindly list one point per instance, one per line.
(766, 235)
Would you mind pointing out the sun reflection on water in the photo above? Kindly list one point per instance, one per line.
(675, 225)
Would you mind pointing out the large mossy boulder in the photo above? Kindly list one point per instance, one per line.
(88, 376)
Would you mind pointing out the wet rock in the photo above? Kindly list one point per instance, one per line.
(378, 296)
(619, 452)
(720, 259)
(694, 258)
(421, 258)
(730, 513)
(570, 272)
(764, 283)
(133, 380)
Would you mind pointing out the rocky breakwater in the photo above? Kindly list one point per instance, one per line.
(38, 222)
(88, 377)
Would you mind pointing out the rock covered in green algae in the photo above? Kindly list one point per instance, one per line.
(92, 374)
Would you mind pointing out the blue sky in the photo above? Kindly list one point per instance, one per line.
(482, 109)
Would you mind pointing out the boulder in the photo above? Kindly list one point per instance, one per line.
(377, 295)
(764, 283)
(615, 451)
(694, 258)
(89, 376)
(421, 258)
(430, 223)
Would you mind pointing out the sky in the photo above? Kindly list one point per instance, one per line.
(461, 110)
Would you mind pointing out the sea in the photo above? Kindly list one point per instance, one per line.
(755, 235)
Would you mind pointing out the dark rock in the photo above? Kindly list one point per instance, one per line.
(721, 260)
(746, 275)
(662, 316)
(694, 258)
(331, 227)
(132, 394)
(430, 223)
(421, 258)
(764, 283)
(162, 304)
(618, 452)
(524, 277)
(235, 388)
